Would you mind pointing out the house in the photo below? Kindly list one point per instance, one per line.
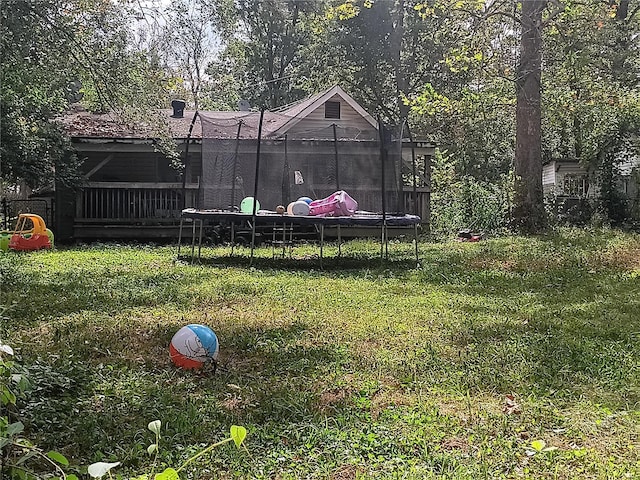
(571, 183)
(313, 147)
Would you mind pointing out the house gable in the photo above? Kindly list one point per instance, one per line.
(320, 112)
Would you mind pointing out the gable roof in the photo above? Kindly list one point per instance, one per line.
(210, 124)
(300, 110)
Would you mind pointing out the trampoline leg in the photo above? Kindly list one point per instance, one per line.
(233, 237)
(180, 235)
(386, 242)
(339, 242)
(200, 239)
(415, 239)
(321, 242)
(193, 238)
(273, 242)
(382, 243)
(253, 240)
(290, 242)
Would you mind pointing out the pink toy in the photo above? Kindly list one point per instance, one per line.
(338, 204)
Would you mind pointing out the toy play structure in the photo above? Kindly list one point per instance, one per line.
(30, 234)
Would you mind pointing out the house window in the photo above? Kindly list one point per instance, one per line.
(625, 187)
(332, 110)
(576, 185)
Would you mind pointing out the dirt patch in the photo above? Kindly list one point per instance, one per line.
(455, 443)
(345, 472)
(510, 265)
(390, 394)
(331, 396)
(492, 264)
(623, 258)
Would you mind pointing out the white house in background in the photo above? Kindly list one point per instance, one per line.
(570, 178)
(567, 177)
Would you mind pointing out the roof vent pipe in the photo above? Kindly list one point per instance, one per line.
(178, 108)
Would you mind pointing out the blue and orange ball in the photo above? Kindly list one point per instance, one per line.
(194, 346)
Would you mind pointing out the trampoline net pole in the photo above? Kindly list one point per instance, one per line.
(235, 167)
(335, 152)
(382, 134)
(286, 175)
(414, 175)
(255, 189)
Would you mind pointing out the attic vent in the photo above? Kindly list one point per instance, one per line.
(332, 110)
(178, 108)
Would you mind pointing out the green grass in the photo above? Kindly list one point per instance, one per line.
(357, 370)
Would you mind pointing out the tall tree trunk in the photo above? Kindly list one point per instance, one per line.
(528, 212)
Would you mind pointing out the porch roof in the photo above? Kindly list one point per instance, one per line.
(82, 124)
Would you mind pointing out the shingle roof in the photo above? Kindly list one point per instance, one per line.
(216, 124)
(109, 125)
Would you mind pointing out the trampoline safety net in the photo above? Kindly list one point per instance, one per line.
(310, 157)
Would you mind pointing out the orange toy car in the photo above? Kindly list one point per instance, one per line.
(36, 238)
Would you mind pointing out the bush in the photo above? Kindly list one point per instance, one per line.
(462, 201)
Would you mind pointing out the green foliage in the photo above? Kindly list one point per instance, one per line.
(35, 86)
(460, 201)
(591, 102)
(21, 458)
(56, 53)
(613, 201)
(25, 460)
(263, 56)
(100, 469)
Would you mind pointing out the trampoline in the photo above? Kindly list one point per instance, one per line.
(277, 157)
(362, 219)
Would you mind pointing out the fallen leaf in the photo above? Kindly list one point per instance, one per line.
(511, 407)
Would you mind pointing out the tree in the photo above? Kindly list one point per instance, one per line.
(264, 41)
(528, 212)
(36, 84)
(182, 38)
(55, 53)
(592, 93)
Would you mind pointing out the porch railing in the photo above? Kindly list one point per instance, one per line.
(421, 204)
(102, 201)
(134, 201)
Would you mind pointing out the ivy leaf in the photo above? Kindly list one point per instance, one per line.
(238, 434)
(71, 476)
(14, 428)
(6, 396)
(98, 469)
(538, 445)
(58, 457)
(168, 474)
(153, 448)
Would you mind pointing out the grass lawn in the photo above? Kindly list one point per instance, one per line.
(361, 370)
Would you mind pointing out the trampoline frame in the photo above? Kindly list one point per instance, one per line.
(278, 220)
